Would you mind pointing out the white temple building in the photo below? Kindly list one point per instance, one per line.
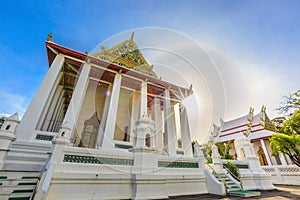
(259, 129)
(102, 126)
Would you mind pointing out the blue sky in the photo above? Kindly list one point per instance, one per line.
(255, 44)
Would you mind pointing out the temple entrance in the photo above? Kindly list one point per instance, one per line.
(262, 157)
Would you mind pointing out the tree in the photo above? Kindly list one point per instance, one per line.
(287, 138)
(223, 149)
(286, 144)
(290, 103)
(292, 125)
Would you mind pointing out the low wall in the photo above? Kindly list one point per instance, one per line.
(99, 174)
(284, 174)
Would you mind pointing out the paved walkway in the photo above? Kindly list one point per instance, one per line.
(282, 192)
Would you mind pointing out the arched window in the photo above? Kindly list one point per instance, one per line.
(147, 140)
(7, 127)
(89, 133)
(243, 152)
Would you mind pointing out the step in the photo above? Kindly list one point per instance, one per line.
(19, 196)
(27, 158)
(31, 146)
(16, 176)
(17, 165)
(233, 188)
(244, 193)
(230, 183)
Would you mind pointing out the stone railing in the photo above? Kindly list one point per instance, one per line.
(240, 164)
(284, 174)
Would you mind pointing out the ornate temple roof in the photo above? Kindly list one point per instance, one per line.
(138, 69)
(258, 125)
(127, 54)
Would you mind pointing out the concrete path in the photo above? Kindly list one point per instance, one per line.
(283, 192)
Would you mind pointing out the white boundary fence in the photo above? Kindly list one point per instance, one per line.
(284, 174)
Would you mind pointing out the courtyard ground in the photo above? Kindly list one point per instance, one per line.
(282, 192)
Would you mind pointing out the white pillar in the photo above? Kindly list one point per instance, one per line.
(34, 111)
(104, 117)
(135, 107)
(282, 159)
(169, 125)
(263, 146)
(186, 141)
(176, 111)
(47, 106)
(75, 105)
(143, 108)
(157, 117)
(109, 130)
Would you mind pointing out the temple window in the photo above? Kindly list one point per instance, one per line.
(90, 130)
(147, 140)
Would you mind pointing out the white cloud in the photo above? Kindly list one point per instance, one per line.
(12, 103)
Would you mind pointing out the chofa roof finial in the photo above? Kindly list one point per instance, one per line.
(132, 35)
(263, 108)
(50, 36)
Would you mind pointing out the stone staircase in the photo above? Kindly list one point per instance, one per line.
(233, 189)
(230, 185)
(24, 156)
(24, 165)
(17, 185)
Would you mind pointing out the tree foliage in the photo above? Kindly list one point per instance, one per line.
(233, 169)
(290, 103)
(223, 149)
(292, 125)
(287, 140)
(286, 144)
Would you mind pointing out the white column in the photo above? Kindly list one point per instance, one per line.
(263, 146)
(176, 111)
(34, 111)
(157, 117)
(143, 108)
(43, 116)
(109, 130)
(186, 140)
(282, 159)
(135, 107)
(75, 105)
(169, 125)
(104, 117)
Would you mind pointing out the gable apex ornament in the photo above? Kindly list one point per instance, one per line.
(50, 37)
(132, 35)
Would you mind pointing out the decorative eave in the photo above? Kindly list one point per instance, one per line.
(249, 122)
(53, 49)
(126, 54)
